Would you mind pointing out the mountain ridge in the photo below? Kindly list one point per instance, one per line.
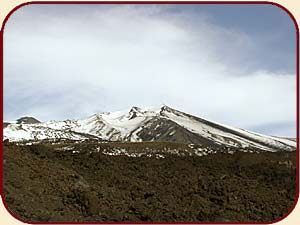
(146, 124)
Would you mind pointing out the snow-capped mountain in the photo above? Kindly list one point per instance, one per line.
(145, 124)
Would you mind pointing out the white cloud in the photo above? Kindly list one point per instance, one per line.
(77, 64)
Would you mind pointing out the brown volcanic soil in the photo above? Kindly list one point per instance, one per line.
(42, 183)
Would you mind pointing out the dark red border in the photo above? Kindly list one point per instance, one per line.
(156, 2)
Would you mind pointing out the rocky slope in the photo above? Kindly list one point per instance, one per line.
(78, 183)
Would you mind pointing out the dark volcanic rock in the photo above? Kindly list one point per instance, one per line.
(27, 120)
(5, 124)
(44, 182)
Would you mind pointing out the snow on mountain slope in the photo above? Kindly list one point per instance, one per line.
(21, 132)
(147, 124)
(114, 126)
(235, 137)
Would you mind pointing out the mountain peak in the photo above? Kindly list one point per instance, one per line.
(135, 109)
(134, 112)
(27, 120)
(149, 111)
(167, 108)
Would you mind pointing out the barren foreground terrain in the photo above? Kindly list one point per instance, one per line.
(93, 182)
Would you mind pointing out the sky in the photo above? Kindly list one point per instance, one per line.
(234, 64)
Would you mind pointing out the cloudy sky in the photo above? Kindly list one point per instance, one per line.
(234, 64)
